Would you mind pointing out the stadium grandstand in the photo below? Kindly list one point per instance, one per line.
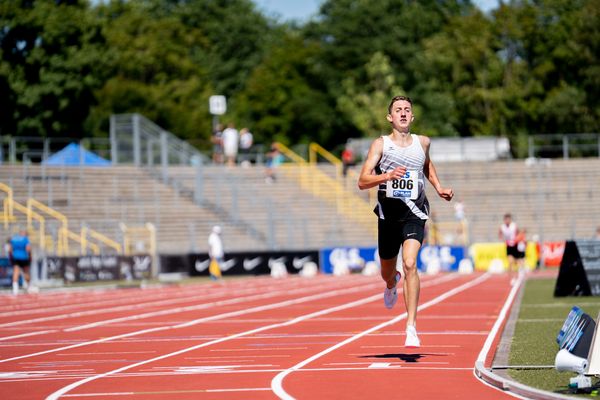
(158, 184)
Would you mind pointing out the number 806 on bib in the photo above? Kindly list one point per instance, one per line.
(406, 187)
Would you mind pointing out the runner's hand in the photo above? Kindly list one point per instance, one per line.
(446, 194)
(396, 173)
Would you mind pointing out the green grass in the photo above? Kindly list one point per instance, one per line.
(534, 342)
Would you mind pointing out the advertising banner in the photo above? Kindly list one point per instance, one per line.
(353, 258)
(446, 258)
(484, 253)
(97, 268)
(248, 263)
(552, 253)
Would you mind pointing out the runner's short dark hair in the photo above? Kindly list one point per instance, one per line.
(398, 98)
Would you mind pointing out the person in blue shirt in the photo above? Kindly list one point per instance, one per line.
(20, 255)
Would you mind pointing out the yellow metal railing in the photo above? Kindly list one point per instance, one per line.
(132, 235)
(87, 238)
(7, 211)
(63, 237)
(85, 232)
(350, 181)
(315, 149)
(329, 188)
(83, 243)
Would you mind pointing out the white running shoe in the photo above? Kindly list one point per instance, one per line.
(390, 296)
(412, 340)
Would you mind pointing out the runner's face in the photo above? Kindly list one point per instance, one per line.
(401, 116)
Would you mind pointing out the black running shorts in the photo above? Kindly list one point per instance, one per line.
(21, 263)
(391, 235)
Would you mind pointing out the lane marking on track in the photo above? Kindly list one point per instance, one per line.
(261, 350)
(170, 311)
(277, 382)
(480, 362)
(293, 321)
(235, 300)
(27, 334)
(168, 392)
(402, 346)
(379, 365)
(170, 374)
(201, 320)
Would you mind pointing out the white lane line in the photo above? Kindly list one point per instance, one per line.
(480, 362)
(74, 385)
(234, 300)
(201, 320)
(277, 382)
(170, 374)
(27, 334)
(95, 297)
(180, 392)
(500, 320)
(128, 307)
(238, 390)
(379, 365)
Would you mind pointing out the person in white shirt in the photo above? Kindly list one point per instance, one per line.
(246, 141)
(215, 252)
(508, 234)
(230, 144)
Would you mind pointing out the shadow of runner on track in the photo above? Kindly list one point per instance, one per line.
(409, 358)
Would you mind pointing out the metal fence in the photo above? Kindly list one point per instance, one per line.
(564, 145)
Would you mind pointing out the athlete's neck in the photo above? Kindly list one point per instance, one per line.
(401, 138)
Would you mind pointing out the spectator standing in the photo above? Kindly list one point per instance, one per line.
(217, 141)
(508, 233)
(459, 216)
(348, 159)
(215, 252)
(230, 144)
(20, 256)
(246, 142)
(274, 158)
(521, 240)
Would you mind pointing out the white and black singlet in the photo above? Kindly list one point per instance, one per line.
(402, 199)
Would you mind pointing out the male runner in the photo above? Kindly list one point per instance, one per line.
(398, 164)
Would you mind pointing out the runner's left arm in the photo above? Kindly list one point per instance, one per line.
(431, 174)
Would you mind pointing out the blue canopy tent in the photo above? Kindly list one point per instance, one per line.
(74, 154)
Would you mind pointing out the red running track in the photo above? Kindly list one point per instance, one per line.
(257, 338)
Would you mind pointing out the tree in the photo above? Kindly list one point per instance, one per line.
(52, 55)
(366, 106)
(282, 98)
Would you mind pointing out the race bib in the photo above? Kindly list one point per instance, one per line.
(406, 187)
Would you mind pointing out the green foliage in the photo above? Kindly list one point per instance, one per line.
(367, 108)
(49, 52)
(529, 67)
(282, 99)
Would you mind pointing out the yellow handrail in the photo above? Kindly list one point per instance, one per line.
(100, 237)
(315, 148)
(63, 238)
(330, 189)
(130, 233)
(67, 234)
(7, 214)
(289, 153)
